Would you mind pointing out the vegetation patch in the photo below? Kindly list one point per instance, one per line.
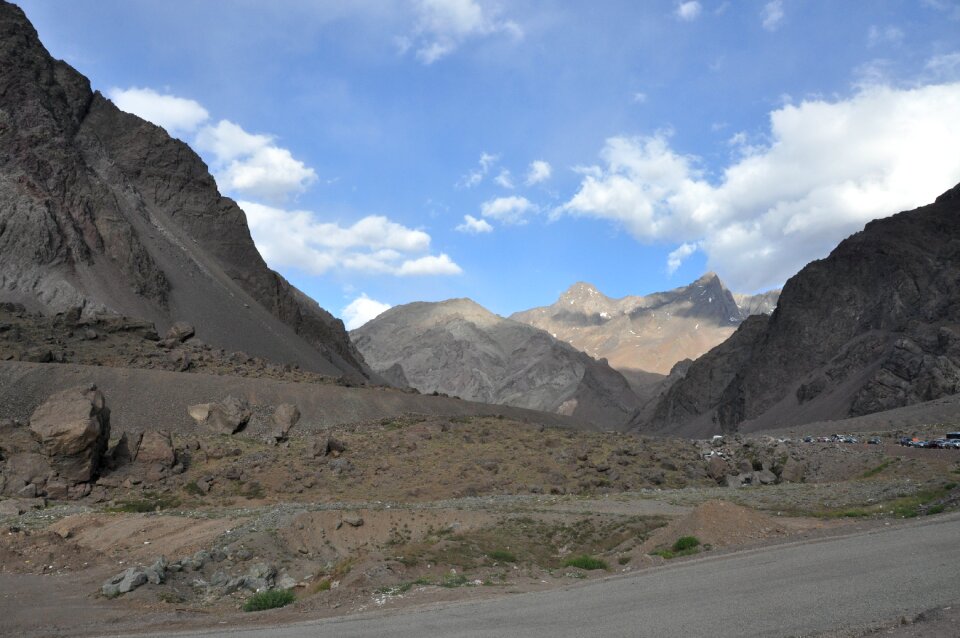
(150, 502)
(269, 600)
(502, 556)
(876, 470)
(586, 562)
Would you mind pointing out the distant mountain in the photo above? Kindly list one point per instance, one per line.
(459, 348)
(874, 326)
(102, 211)
(647, 334)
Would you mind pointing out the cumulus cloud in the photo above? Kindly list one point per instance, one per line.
(175, 114)
(675, 259)
(829, 167)
(374, 244)
(539, 171)
(252, 164)
(430, 265)
(474, 177)
(361, 310)
(442, 26)
(508, 210)
(689, 11)
(474, 226)
(772, 15)
(504, 179)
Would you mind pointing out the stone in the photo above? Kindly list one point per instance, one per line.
(285, 416)
(180, 331)
(793, 471)
(353, 520)
(156, 447)
(181, 359)
(157, 572)
(286, 582)
(124, 582)
(325, 446)
(74, 428)
(123, 451)
(717, 468)
(224, 417)
(766, 477)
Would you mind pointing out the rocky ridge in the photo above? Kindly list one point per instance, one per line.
(102, 211)
(651, 333)
(459, 348)
(872, 327)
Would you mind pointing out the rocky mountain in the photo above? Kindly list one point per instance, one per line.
(459, 348)
(102, 211)
(874, 326)
(651, 333)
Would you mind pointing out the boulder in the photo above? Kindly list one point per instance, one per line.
(717, 468)
(285, 416)
(156, 448)
(123, 451)
(325, 446)
(180, 331)
(793, 471)
(225, 417)
(73, 427)
(124, 582)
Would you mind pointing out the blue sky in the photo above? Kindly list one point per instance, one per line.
(630, 144)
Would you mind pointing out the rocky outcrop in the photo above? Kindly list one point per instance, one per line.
(458, 348)
(872, 327)
(648, 334)
(104, 212)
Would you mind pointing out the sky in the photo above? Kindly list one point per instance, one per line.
(390, 151)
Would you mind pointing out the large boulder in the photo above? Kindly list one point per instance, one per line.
(156, 448)
(73, 427)
(285, 416)
(180, 332)
(225, 417)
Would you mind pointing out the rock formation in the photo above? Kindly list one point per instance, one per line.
(869, 328)
(102, 211)
(457, 347)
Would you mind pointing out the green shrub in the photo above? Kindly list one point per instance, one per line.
(269, 600)
(453, 580)
(586, 562)
(623, 560)
(685, 542)
(502, 556)
(936, 509)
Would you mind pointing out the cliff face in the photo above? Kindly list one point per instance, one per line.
(102, 210)
(874, 326)
(457, 347)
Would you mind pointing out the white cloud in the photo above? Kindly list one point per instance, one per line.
(175, 114)
(829, 168)
(950, 7)
(474, 177)
(639, 97)
(675, 258)
(540, 171)
(509, 210)
(374, 244)
(884, 35)
(444, 25)
(504, 180)
(689, 11)
(474, 226)
(772, 15)
(361, 310)
(252, 164)
(430, 265)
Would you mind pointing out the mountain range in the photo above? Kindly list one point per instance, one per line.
(651, 333)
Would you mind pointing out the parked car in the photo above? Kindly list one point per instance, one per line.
(905, 440)
(874, 440)
(808, 439)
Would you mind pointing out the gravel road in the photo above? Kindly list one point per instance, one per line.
(786, 590)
